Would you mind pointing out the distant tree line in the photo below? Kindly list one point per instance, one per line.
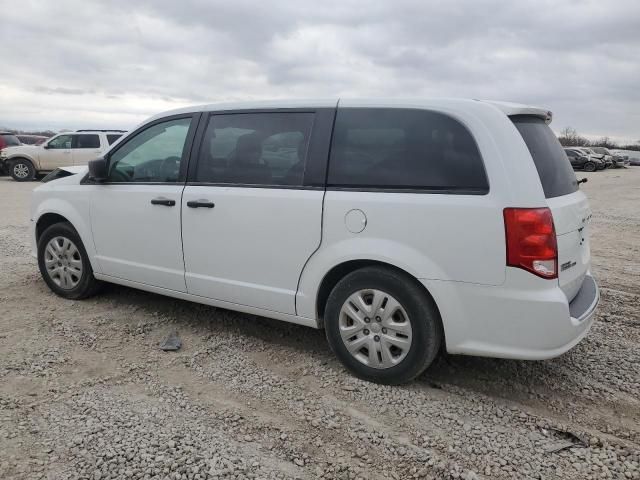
(44, 133)
(569, 137)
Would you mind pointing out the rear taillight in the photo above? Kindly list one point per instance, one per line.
(531, 241)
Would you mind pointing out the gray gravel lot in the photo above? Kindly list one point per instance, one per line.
(85, 393)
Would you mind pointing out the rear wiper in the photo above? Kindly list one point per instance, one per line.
(584, 180)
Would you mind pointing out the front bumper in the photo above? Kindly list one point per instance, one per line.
(530, 319)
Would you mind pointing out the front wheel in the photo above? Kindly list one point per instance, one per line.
(64, 264)
(22, 170)
(589, 167)
(382, 325)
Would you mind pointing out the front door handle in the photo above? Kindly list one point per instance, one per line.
(200, 204)
(163, 201)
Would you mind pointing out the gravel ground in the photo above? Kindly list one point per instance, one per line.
(86, 393)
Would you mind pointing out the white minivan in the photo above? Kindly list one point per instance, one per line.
(401, 227)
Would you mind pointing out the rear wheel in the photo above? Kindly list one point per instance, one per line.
(589, 167)
(382, 325)
(64, 264)
(22, 170)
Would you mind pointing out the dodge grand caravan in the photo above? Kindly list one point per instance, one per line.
(399, 227)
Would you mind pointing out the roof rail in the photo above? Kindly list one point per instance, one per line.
(101, 130)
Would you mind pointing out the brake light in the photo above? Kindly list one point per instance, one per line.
(531, 241)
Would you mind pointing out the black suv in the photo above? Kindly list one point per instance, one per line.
(581, 161)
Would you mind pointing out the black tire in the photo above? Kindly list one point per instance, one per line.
(589, 167)
(421, 311)
(20, 165)
(87, 285)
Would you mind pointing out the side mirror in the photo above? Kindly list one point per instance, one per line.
(46, 146)
(99, 169)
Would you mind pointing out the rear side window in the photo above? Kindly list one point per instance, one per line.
(255, 148)
(554, 169)
(112, 138)
(87, 141)
(404, 149)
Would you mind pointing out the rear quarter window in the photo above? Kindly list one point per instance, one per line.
(412, 149)
(554, 168)
(111, 138)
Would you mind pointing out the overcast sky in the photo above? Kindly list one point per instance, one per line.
(74, 64)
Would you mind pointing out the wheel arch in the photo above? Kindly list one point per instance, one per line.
(22, 156)
(339, 271)
(56, 209)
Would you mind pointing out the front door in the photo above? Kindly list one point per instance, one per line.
(250, 219)
(57, 153)
(135, 215)
(85, 147)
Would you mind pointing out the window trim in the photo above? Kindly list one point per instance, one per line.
(411, 189)
(316, 160)
(186, 152)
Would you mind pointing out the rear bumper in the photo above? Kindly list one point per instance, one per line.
(530, 320)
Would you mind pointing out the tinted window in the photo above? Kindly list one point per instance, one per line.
(255, 148)
(554, 168)
(60, 142)
(112, 138)
(404, 149)
(87, 141)
(153, 155)
(10, 140)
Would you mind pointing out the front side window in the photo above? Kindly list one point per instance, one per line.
(153, 155)
(60, 142)
(87, 141)
(404, 149)
(255, 148)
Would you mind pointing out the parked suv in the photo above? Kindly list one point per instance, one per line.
(400, 227)
(24, 162)
(581, 160)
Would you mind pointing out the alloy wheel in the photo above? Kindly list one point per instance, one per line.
(21, 170)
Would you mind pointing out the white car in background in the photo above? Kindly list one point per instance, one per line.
(66, 149)
(402, 228)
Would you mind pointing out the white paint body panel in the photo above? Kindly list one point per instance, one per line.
(251, 247)
(136, 240)
(266, 251)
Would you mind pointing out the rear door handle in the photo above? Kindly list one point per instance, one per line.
(163, 201)
(200, 204)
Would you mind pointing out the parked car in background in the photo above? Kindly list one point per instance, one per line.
(623, 156)
(609, 157)
(24, 162)
(597, 157)
(7, 139)
(581, 160)
(399, 227)
(31, 139)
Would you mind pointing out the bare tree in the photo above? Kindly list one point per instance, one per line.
(569, 137)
